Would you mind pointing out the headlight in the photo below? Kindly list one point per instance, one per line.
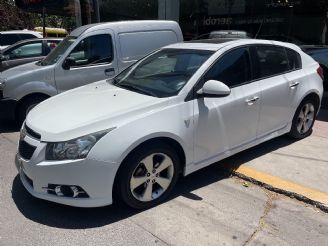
(73, 149)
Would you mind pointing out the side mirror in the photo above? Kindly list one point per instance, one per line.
(68, 63)
(2, 58)
(214, 88)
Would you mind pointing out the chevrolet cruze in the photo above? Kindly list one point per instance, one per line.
(178, 110)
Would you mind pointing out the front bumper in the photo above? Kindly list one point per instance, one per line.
(7, 109)
(95, 177)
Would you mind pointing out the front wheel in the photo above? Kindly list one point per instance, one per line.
(304, 119)
(148, 176)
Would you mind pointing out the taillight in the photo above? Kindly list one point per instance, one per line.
(320, 72)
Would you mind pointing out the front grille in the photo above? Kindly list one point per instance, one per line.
(32, 133)
(25, 150)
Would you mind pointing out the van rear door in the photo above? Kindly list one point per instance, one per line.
(92, 59)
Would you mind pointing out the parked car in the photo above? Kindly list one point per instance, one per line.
(26, 51)
(320, 54)
(8, 38)
(178, 110)
(89, 54)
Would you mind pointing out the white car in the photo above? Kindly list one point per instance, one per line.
(8, 38)
(178, 110)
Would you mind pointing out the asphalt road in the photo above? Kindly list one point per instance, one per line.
(207, 208)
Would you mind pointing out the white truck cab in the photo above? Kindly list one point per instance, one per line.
(90, 53)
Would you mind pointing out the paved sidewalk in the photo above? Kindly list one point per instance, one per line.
(296, 167)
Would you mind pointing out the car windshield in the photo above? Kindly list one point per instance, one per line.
(164, 73)
(57, 52)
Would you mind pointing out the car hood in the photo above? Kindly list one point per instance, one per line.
(88, 109)
(20, 70)
(3, 47)
(27, 73)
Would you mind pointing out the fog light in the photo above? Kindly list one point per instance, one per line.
(72, 191)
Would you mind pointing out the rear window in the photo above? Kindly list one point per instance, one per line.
(295, 61)
(272, 60)
(136, 45)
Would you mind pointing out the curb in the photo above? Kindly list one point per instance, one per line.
(323, 207)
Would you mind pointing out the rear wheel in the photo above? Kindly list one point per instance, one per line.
(304, 119)
(148, 176)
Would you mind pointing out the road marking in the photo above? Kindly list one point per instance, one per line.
(282, 184)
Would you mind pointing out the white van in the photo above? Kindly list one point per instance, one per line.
(90, 53)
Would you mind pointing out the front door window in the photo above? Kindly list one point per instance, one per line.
(93, 50)
(25, 51)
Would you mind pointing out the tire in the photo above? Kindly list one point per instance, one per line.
(302, 126)
(134, 181)
(26, 106)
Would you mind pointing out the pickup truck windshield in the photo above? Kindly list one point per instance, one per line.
(57, 52)
(164, 73)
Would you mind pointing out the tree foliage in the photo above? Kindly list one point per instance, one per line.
(13, 18)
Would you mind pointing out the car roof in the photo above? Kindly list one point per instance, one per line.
(20, 32)
(126, 26)
(214, 46)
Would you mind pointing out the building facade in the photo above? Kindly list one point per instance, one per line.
(297, 21)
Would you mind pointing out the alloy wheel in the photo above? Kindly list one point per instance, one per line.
(152, 177)
(305, 118)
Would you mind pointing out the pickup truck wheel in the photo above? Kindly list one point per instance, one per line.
(26, 105)
(147, 177)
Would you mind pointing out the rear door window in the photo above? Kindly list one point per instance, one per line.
(271, 60)
(8, 39)
(24, 36)
(50, 45)
(295, 61)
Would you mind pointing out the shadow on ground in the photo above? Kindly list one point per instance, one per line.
(323, 115)
(9, 126)
(239, 159)
(61, 216)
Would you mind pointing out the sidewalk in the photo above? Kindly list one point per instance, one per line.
(295, 168)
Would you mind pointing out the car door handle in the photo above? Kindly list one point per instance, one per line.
(294, 84)
(251, 101)
(110, 71)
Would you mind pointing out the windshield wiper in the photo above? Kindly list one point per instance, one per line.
(136, 89)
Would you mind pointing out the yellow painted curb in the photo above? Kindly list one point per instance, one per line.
(283, 184)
